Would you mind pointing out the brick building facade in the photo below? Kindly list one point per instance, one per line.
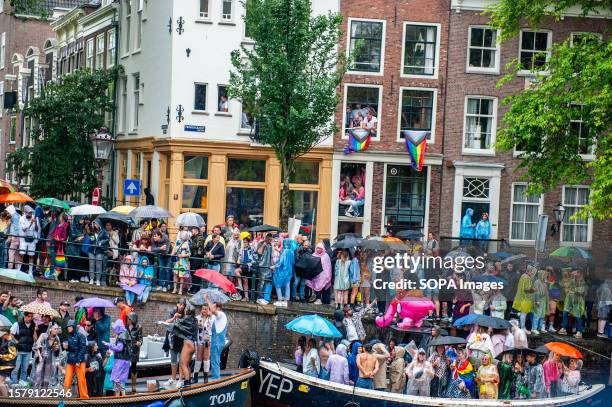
(399, 55)
(474, 174)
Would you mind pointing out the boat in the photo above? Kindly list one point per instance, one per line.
(229, 391)
(153, 356)
(277, 385)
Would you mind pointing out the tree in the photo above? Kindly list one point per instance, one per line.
(288, 79)
(549, 121)
(60, 160)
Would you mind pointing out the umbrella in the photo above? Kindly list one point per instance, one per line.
(552, 262)
(136, 288)
(17, 275)
(483, 320)
(570, 251)
(6, 187)
(40, 309)
(409, 234)
(375, 244)
(345, 235)
(522, 351)
(5, 322)
(116, 219)
(94, 302)
(488, 278)
(265, 228)
(564, 349)
(150, 212)
(53, 202)
(447, 340)
(190, 219)
(214, 295)
(123, 209)
(314, 325)
(217, 279)
(15, 197)
(514, 257)
(499, 255)
(86, 210)
(346, 243)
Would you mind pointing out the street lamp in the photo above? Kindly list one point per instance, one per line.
(102, 143)
(559, 212)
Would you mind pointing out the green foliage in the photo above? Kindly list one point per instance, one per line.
(539, 122)
(60, 161)
(30, 7)
(288, 79)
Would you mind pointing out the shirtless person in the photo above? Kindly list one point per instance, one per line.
(368, 366)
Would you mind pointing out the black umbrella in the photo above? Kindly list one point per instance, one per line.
(375, 244)
(552, 262)
(345, 235)
(264, 228)
(447, 340)
(347, 243)
(117, 219)
(409, 234)
(522, 351)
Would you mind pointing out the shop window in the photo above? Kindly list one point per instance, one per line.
(195, 167)
(405, 198)
(246, 204)
(306, 172)
(195, 197)
(351, 194)
(240, 169)
(362, 108)
(303, 206)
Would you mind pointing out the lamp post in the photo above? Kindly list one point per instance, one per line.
(559, 212)
(103, 143)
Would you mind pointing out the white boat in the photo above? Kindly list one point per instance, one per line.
(152, 354)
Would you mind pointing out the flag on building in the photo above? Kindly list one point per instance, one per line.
(359, 140)
(416, 144)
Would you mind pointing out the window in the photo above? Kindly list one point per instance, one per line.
(139, 27)
(222, 102)
(195, 197)
(1, 100)
(417, 111)
(241, 169)
(226, 10)
(480, 123)
(303, 206)
(100, 51)
(124, 104)
(199, 102)
(247, 121)
(533, 52)
(90, 54)
(136, 100)
(111, 53)
(483, 50)
(128, 19)
(525, 212)
(195, 167)
(352, 195)
(405, 198)
(420, 49)
(575, 230)
(361, 100)
(2, 49)
(579, 130)
(366, 45)
(204, 13)
(247, 205)
(577, 37)
(13, 130)
(306, 172)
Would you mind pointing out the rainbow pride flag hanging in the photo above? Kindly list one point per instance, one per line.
(416, 144)
(359, 140)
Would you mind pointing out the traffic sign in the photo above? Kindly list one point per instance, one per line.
(131, 187)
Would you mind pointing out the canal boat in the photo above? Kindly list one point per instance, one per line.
(277, 385)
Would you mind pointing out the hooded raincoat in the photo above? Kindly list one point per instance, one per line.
(323, 280)
(284, 268)
(352, 362)
(467, 230)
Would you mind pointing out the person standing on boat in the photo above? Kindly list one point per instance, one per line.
(299, 353)
(135, 333)
(440, 366)
(463, 369)
(553, 369)
(186, 330)
(356, 349)
(397, 371)
(312, 363)
(506, 377)
(487, 378)
(8, 355)
(217, 339)
(571, 377)
(337, 366)
(353, 324)
(380, 378)
(368, 366)
(169, 345)
(45, 350)
(205, 323)
(122, 361)
(325, 351)
(419, 373)
(75, 360)
(535, 377)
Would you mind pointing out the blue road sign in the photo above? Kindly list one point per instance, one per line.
(131, 187)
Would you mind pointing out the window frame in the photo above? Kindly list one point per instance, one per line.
(12, 136)
(100, 52)
(476, 151)
(540, 205)
(549, 33)
(381, 71)
(2, 50)
(574, 33)
(590, 156)
(193, 107)
(434, 108)
(228, 112)
(140, 12)
(223, 19)
(345, 101)
(200, 16)
(472, 69)
(563, 224)
(135, 101)
(91, 52)
(244, 130)
(111, 47)
(436, 50)
(1, 100)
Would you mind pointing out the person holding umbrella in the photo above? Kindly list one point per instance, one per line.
(217, 340)
(122, 360)
(506, 377)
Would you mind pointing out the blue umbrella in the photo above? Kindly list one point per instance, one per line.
(483, 320)
(314, 325)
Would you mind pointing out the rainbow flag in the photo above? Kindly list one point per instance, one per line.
(416, 144)
(465, 372)
(359, 140)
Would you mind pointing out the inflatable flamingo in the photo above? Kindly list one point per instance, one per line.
(411, 310)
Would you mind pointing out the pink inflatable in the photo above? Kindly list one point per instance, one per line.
(411, 310)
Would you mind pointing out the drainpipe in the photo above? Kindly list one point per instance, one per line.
(445, 87)
(113, 162)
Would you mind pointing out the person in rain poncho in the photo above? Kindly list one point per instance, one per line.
(127, 277)
(321, 283)
(535, 377)
(283, 271)
(523, 299)
(506, 377)
(571, 377)
(574, 303)
(380, 378)
(462, 369)
(483, 230)
(122, 360)
(519, 335)
(397, 374)
(479, 343)
(540, 302)
(356, 348)
(487, 378)
(604, 304)
(467, 226)
(146, 273)
(419, 373)
(337, 366)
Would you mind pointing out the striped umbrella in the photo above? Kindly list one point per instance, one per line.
(150, 212)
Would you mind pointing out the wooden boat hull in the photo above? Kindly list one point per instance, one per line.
(278, 386)
(231, 391)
